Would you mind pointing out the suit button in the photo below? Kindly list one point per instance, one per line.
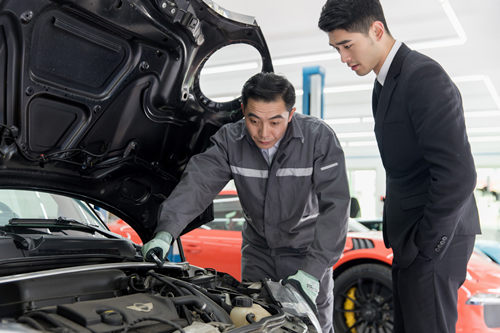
(442, 242)
(437, 249)
(444, 238)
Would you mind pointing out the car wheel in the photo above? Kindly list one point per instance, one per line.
(363, 300)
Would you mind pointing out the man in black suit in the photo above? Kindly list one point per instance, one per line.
(430, 215)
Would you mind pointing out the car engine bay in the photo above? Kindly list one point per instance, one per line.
(140, 297)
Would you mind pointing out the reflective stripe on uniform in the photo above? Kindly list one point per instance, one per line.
(329, 166)
(245, 172)
(310, 217)
(294, 172)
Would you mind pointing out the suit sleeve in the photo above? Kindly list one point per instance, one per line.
(204, 177)
(332, 189)
(435, 108)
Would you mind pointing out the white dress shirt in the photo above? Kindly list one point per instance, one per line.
(387, 63)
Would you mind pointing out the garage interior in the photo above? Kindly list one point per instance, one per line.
(458, 34)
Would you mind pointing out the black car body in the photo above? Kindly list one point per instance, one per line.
(101, 102)
(101, 98)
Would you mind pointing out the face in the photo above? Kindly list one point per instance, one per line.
(266, 121)
(361, 52)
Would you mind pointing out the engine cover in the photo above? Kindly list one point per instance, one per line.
(116, 314)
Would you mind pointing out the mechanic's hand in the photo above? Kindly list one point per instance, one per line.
(307, 284)
(158, 246)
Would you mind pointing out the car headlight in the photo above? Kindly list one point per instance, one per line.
(484, 299)
(292, 302)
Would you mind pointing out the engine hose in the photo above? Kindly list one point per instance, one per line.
(48, 318)
(215, 299)
(131, 284)
(31, 322)
(219, 312)
(189, 300)
(250, 318)
(176, 290)
(167, 282)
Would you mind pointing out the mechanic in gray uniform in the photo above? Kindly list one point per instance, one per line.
(289, 171)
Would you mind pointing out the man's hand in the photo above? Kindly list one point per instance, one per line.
(306, 284)
(158, 246)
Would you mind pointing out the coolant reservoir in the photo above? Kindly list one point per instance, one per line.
(243, 307)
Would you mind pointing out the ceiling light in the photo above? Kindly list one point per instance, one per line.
(222, 99)
(337, 121)
(355, 135)
(485, 139)
(314, 57)
(482, 114)
(434, 44)
(460, 39)
(468, 78)
(452, 16)
(481, 78)
(483, 130)
(350, 88)
(229, 68)
(362, 144)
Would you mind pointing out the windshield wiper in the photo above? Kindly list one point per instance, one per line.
(59, 223)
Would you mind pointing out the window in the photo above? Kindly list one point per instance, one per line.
(488, 201)
(41, 205)
(362, 187)
(228, 214)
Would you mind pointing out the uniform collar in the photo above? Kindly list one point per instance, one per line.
(243, 129)
(294, 130)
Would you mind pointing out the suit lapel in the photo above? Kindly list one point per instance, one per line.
(386, 94)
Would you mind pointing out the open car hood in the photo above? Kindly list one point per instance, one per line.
(101, 98)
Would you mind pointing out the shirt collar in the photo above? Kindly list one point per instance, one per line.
(273, 148)
(382, 75)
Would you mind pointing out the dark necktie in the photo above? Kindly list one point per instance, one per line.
(377, 89)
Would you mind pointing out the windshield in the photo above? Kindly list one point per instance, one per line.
(228, 214)
(25, 204)
(355, 226)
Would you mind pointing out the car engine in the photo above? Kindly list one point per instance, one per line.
(140, 297)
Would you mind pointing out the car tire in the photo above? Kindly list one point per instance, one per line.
(363, 300)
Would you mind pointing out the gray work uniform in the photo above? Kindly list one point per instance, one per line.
(296, 208)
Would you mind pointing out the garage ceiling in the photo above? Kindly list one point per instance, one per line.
(461, 35)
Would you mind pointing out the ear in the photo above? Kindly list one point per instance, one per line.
(242, 108)
(378, 30)
(292, 111)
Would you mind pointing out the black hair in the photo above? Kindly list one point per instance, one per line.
(351, 15)
(268, 87)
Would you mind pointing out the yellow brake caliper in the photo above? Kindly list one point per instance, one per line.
(350, 318)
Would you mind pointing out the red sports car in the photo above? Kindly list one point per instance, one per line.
(123, 229)
(363, 289)
(363, 296)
